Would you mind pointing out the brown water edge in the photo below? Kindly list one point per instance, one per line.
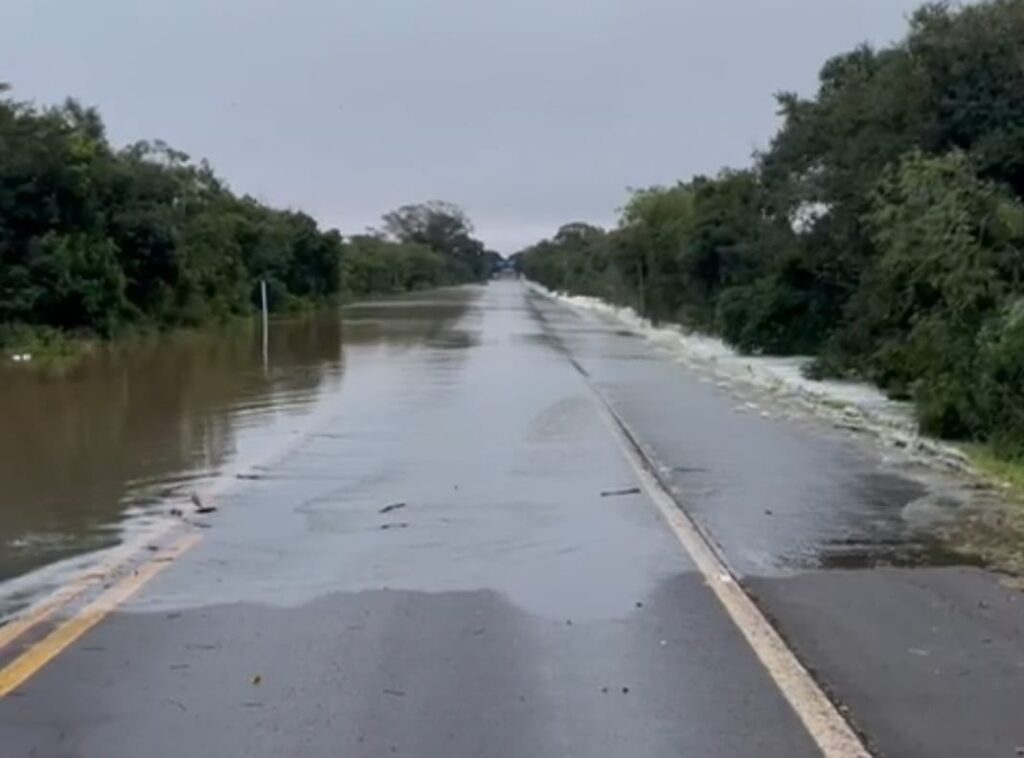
(89, 448)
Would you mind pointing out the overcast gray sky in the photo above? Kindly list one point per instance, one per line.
(528, 113)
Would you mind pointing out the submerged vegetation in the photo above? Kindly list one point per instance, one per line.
(96, 240)
(882, 229)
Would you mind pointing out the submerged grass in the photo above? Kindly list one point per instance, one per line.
(50, 348)
(43, 343)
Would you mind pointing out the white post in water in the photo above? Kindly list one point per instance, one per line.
(266, 343)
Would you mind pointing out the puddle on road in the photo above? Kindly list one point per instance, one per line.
(893, 553)
(98, 448)
(889, 521)
(912, 523)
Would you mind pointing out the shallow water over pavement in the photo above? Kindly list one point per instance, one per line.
(93, 451)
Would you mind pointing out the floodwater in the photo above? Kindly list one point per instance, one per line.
(429, 542)
(92, 451)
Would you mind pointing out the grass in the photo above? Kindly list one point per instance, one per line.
(996, 534)
(991, 465)
(51, 347)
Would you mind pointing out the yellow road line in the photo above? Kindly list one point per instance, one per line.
(38, 655)
(90, 576)
(78, 585)
(10, 632)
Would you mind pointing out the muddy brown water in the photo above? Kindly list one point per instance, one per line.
(91, 451)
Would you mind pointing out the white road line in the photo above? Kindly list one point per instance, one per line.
(819, 715)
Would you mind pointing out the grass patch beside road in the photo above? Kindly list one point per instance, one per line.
(1008, 472)
(996, 533)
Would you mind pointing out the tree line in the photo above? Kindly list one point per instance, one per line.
(881, 230)
(97, 240)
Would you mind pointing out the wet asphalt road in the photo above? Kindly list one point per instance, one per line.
(507, 608)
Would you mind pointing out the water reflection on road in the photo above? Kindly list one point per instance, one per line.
(90, 451)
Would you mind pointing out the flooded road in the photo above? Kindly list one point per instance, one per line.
(95, 451)
(448, 524)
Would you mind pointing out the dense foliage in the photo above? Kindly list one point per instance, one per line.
(882, 229)
(98, 239)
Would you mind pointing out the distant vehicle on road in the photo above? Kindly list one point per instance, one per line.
(504, 270)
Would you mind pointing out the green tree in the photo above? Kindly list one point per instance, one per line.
(445, 229)
(880, 229)
(97, 239)
(951, 254)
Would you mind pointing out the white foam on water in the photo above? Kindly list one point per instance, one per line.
(857, 406)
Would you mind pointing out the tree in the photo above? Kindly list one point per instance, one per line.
(436, 223)
(97, 239)
(655, 222)
(445, 229)
(882, 229)
(951, 255)
(374, 264)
